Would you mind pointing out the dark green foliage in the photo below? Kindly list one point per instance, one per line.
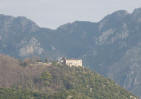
(7, 93)
(58, 81)
(64, 82)
(46, 77)
(40, 80)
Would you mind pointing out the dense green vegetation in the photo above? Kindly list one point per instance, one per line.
(37, 80)
(6, 93)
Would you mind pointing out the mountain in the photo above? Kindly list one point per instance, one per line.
(111, 46)
(37, 80)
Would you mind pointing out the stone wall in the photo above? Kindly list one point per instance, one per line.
(71, 62)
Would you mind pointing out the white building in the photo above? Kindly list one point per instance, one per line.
(74, 62)
(71, 62)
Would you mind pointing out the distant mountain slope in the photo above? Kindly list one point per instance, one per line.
(103, 46)
(54, 81)
(127, 70)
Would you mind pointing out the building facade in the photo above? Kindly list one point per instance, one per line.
(74, 62)
(71, 62)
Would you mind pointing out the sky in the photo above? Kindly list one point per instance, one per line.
(52, 13)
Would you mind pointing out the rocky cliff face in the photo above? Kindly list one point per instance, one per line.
(110, 47)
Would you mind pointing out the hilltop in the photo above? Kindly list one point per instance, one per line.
(37, 80)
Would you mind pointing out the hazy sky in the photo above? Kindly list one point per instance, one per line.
(52, 13)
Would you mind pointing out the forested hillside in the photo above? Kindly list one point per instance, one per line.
(32, 79)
